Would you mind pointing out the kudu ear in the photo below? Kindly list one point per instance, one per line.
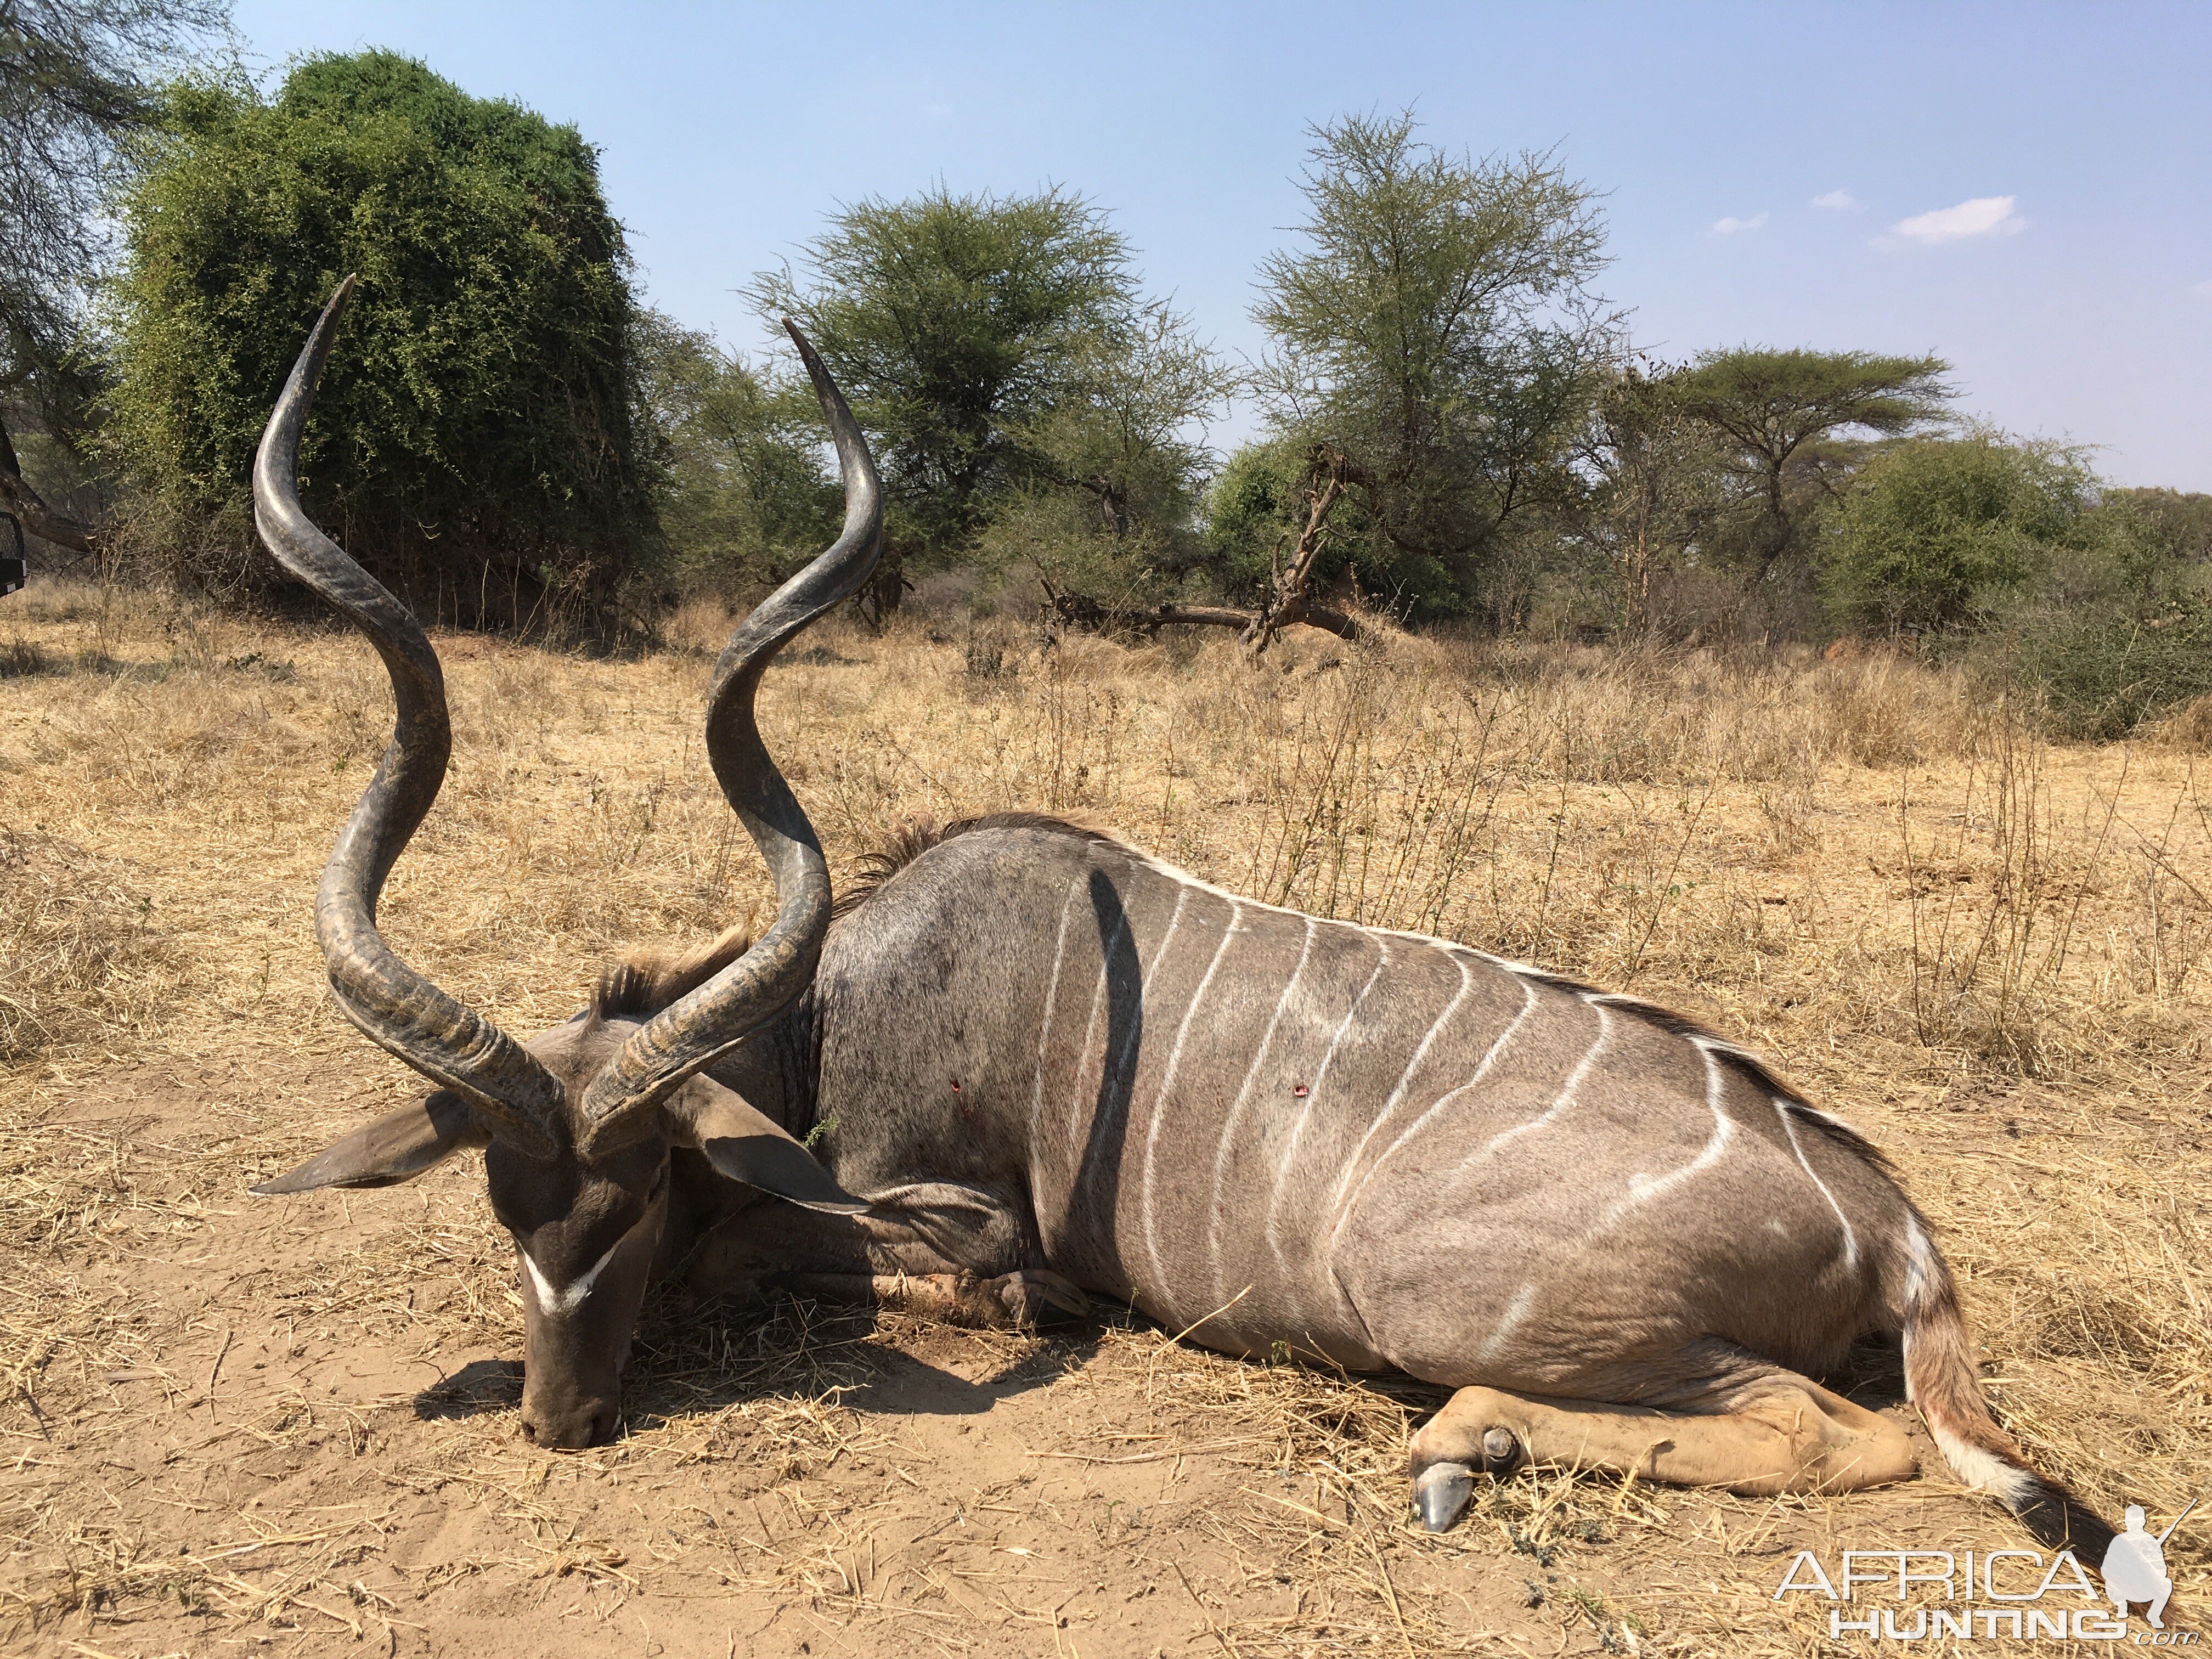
(746, 1146)
(389, 1150)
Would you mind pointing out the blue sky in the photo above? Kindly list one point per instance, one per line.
(2025, 190)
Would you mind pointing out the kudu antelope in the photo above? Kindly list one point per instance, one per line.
(1040, 1062)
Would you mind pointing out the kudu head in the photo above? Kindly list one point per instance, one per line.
(578, 1123)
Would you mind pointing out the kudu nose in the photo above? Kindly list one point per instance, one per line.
(585, 1425)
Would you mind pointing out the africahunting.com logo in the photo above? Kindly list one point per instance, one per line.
(1998, 1594)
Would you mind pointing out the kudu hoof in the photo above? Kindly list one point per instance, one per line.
(1037, 1295)
(1501, 1450)
(1441, 1494)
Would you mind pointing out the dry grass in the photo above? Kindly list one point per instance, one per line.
(232, 1423)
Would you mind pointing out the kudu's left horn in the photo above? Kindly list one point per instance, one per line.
(727, 1009)
(517, 1098)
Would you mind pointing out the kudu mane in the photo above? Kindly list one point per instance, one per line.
(909, 838)
(643, 983)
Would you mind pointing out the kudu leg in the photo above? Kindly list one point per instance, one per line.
(1016, 1301)
(1792, 1434)
(885, 1259)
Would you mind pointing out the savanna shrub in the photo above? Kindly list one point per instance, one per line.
(1936, 531)
(2103, 669)
(477, 441)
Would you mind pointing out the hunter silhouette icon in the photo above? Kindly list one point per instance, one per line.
(2134, 1566)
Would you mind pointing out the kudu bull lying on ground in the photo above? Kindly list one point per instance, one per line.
(1044, 1061)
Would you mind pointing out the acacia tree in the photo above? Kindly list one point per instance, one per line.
(1107, 510)
(1651, 470)
(76, 79)
(1775, 409)
(1120, 433)
(959, 326)
(1438, 332)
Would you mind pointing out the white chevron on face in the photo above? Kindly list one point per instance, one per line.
(550, 1301)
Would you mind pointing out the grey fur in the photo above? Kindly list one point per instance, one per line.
(1387, 1150)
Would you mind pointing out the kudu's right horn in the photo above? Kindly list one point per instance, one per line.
(517, 1098)
(693, 1032)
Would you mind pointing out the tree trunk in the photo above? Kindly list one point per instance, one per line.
(1636, 585)
(1778, 538)
(1328, 472)
(1081, 611)
(879, 599)
(1289, 603)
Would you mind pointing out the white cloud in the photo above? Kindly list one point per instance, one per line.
(1984, 215)
(1729, 227)
(1839, 201)
(2201, 291)
(936, 112)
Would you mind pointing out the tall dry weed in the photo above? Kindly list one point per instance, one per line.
(84, 962)
(1988, 950)
(2049, 931)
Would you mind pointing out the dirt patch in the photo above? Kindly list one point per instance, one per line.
(243, 1425)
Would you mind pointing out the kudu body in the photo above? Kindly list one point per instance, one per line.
(1036, 1062)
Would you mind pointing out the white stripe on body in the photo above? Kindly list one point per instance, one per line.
(1110, 1066)
(1524, 971)
(1516, 1311)
(1313, 1096)
(1643, 1188)
(1550, 1114)
(550, 1301)
(1337, 1204)
(1051, 1002)
(1167, 1082)
(1175, 872)
(1405, 1077)
(1489, 1055)
(1850, 1237)
(1136, 1032)
(1098, 1005)
(1236, 1107)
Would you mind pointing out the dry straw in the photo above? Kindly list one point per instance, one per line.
(230, 1422)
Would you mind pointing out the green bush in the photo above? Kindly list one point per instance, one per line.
(1933, 532)
(477, 440)
(746, 496)
(2101, 671)
(2179, 520)
(1254, 511)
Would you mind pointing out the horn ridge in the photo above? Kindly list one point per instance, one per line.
(395, 1006)
(694, 1031)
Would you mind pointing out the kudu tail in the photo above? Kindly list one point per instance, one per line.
(1940, 1379)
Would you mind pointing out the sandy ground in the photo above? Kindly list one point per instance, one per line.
(289, 1425)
